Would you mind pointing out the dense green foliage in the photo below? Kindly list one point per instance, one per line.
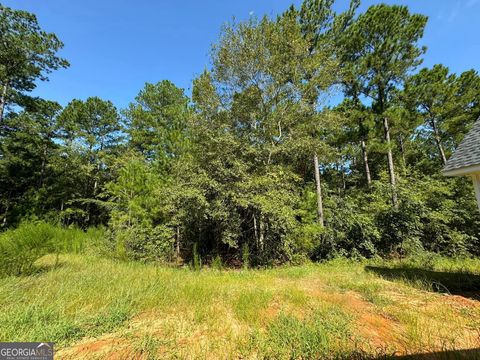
(20, 248)
(254, 167)
(27, 54)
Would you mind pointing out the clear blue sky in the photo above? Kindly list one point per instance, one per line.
(115, 46)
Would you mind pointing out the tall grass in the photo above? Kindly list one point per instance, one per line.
(322, 335)
(20, 248)
(340, 309)
(329, 310)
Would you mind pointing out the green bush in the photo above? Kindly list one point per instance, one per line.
(21, 247)
(217, 263)
(142, 243)
(78, 241)
(196, 259)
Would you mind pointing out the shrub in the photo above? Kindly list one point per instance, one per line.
(217, 263)
(143, 243)
(78, 241)
(196, 259)
(20, 248)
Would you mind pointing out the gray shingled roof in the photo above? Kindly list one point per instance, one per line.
(468, 152)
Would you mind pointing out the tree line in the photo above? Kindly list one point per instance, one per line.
(257, 164)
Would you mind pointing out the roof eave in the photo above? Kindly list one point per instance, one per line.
(466, 170)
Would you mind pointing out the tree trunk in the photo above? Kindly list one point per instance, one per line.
(402, 152)
(438, 141)
(316, 170)
(94, 194)
(95, 184)
(62, 219)
(262, 232)
(42, 168)
(3, 100)
(476, 185)
(391, 169)
(256, 231)
(178, 243)
(4, 221)
(365, 162)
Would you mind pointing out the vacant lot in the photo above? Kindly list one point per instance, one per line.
(100, 309)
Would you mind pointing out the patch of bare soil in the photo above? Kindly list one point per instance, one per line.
(272, 310)
(377, 332)
(461, 301)
(127, 342)
(381, 332)
(97, 348)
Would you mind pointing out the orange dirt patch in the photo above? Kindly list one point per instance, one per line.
(272, 310)
(375, 332)
(122, 354)
(380, 332)
(95, 348)
(461, 302)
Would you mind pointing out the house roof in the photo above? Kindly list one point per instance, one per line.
(466, 158)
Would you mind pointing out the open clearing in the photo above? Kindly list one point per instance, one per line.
(96, 308)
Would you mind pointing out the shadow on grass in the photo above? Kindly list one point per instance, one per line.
(441, 355)
(473, 354)
(456, 283)
(35, 270)
(44, 268)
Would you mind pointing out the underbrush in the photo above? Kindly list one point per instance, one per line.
(20, 248)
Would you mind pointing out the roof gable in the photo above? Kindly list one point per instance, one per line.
(467, 154)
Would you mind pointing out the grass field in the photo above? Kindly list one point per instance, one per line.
(96, 308)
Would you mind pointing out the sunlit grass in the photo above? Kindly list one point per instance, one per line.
(335, 309)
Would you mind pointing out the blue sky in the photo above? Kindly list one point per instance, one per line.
(115, 46)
